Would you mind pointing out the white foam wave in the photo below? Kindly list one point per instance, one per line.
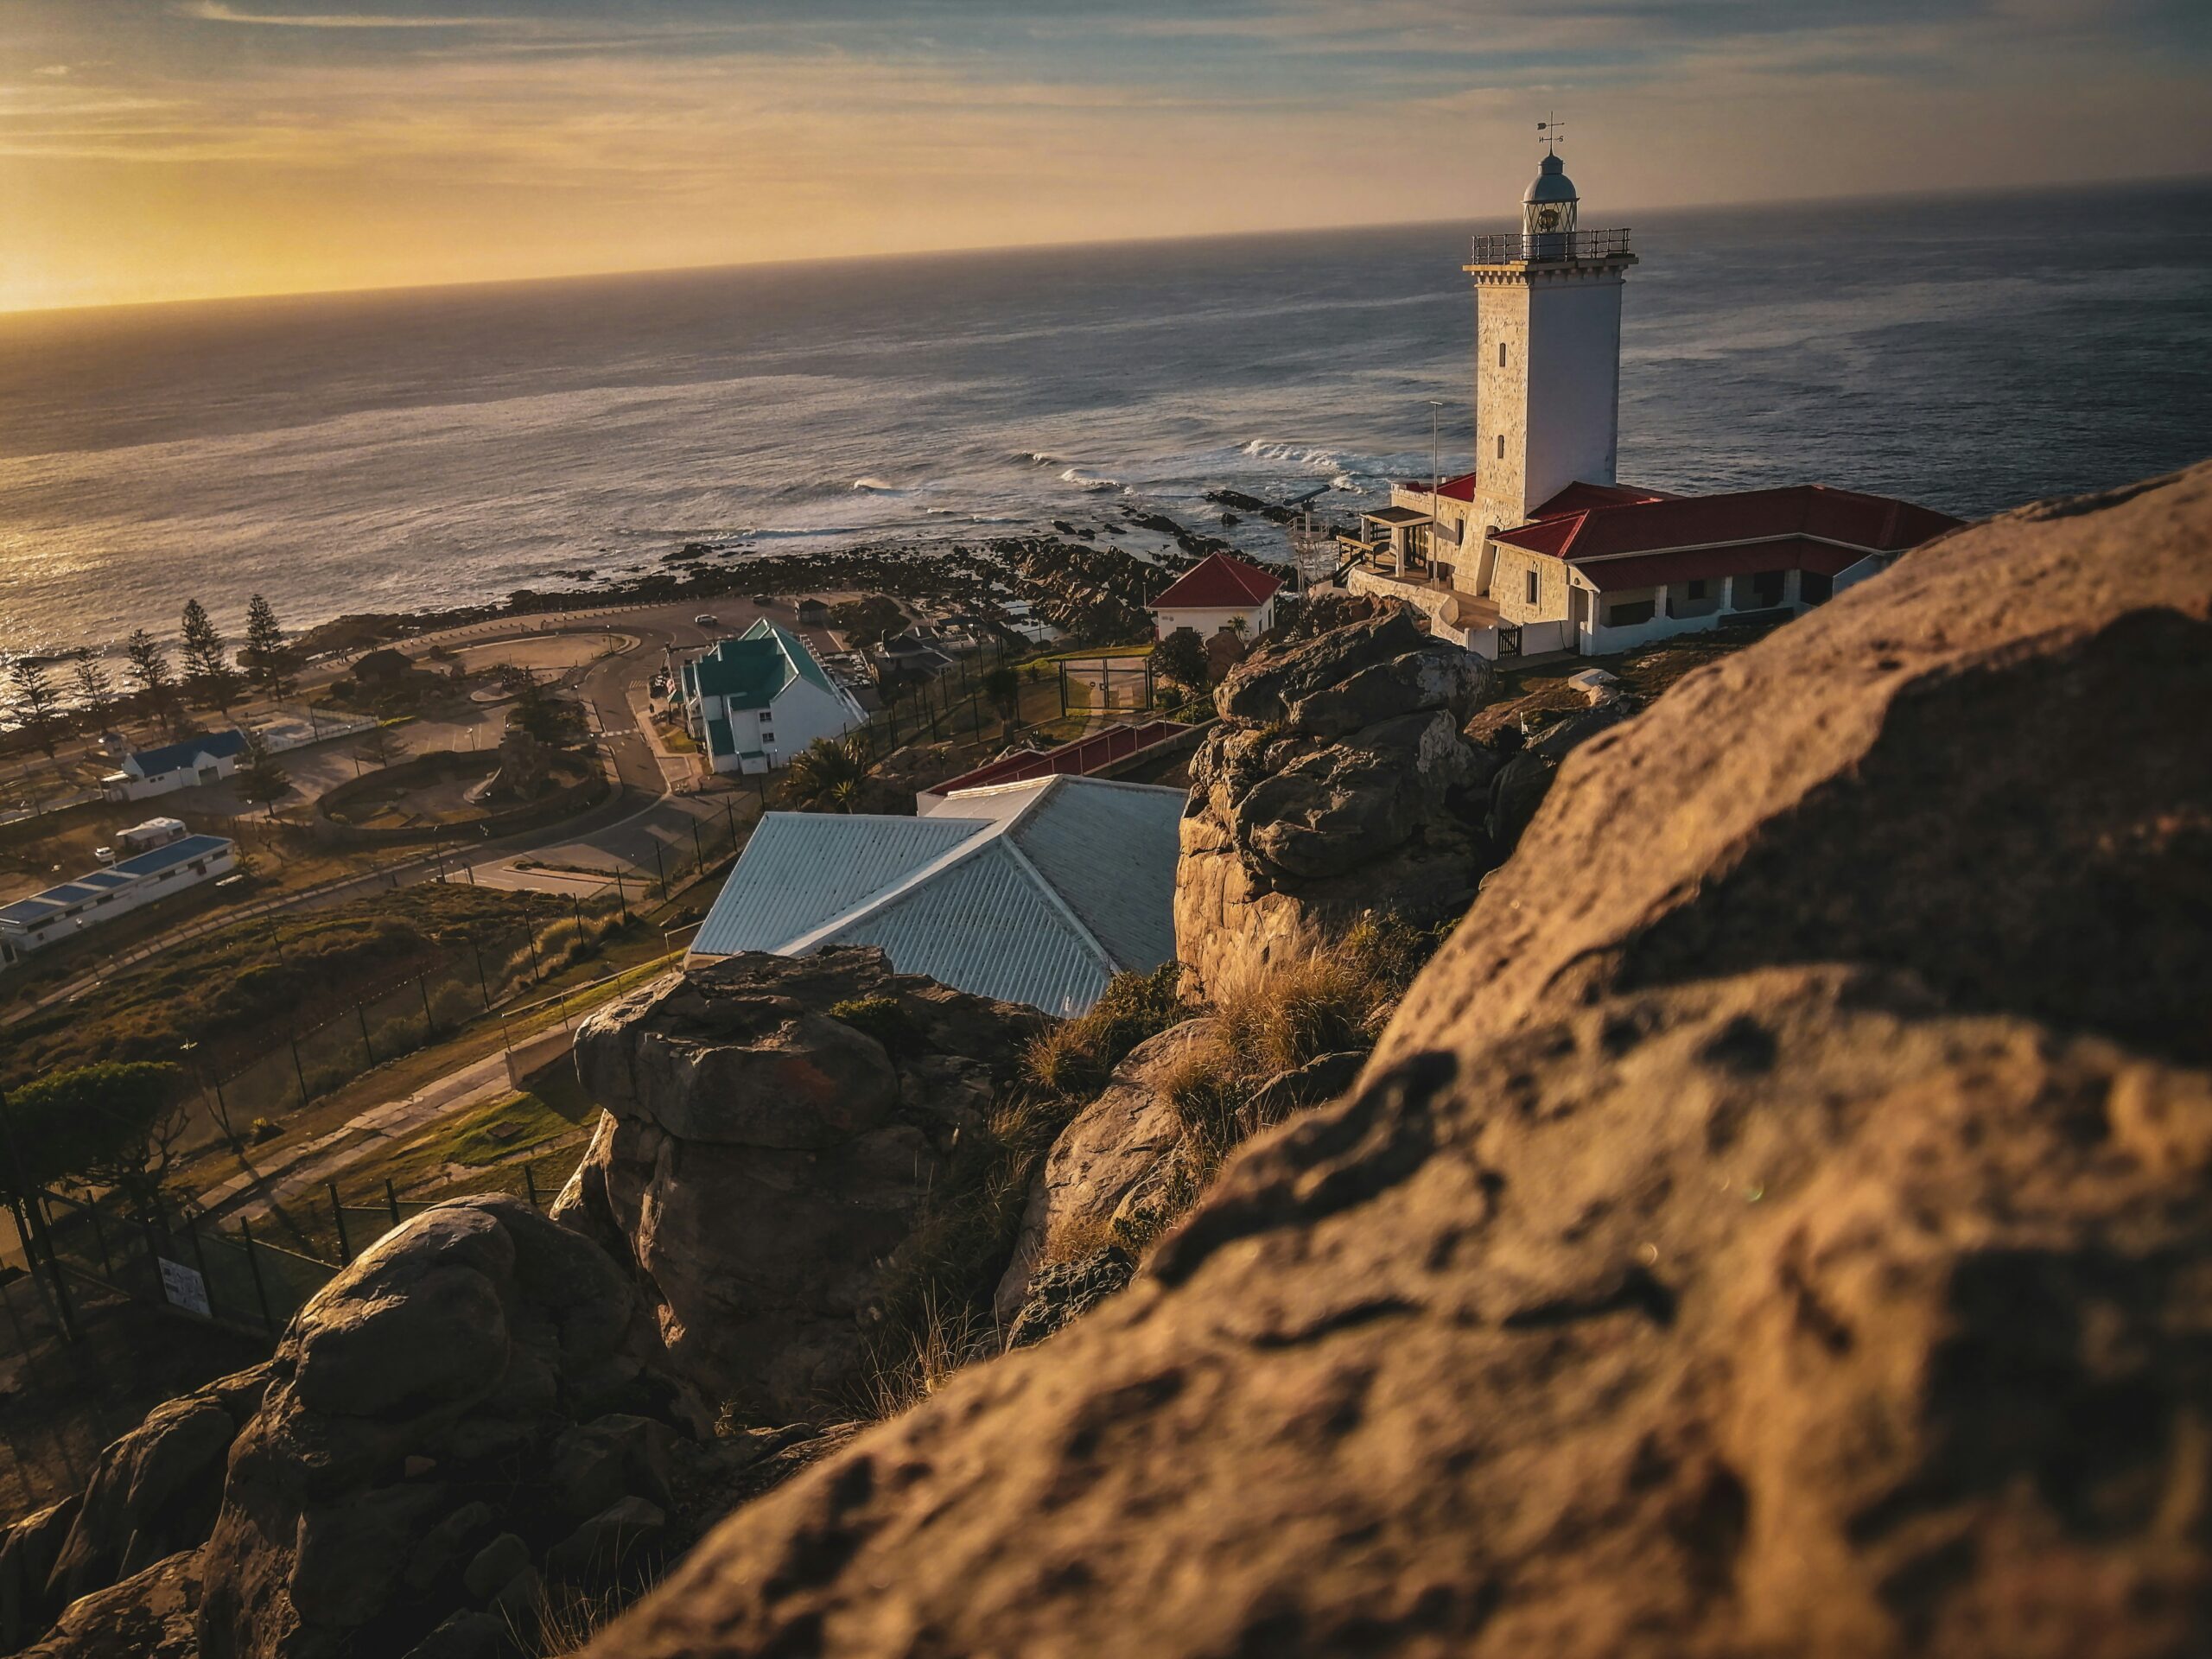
(1310, 457)
(1086, 482)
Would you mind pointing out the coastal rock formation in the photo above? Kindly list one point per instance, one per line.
(480, 1372)
(150, 1615)
(1102, 1162)
(774, 1129)
(1336, 782)
(1760, 1233)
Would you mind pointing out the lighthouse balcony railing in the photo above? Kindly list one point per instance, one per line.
(1514, 247)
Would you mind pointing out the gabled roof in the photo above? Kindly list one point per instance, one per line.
(751, 670)
(216, 745)
(1580, 498)
(1217, 582)
(1036, 893)
(1871, 523)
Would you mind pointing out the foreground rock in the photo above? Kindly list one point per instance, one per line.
(1336, 782)
(1786, 1243)
(774, 1130)
(481, 1377)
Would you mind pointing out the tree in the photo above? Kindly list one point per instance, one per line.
(262, 782)
(95, 691)
(828, 775)
(376, 746)
(558, 722)
(1002, 685)
(150, 670)
(114, 1124)
(1181, 657)
(207, 672)
(33, 702)
(265, 656)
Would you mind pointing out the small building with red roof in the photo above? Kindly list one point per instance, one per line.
(1540, 550)
(1218, 592)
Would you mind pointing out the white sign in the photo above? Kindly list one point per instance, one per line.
(184, 1287)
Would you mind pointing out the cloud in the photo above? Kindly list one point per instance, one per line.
(214, 11)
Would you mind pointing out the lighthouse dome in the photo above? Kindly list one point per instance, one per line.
(1550, 184)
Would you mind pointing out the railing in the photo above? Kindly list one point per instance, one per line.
(1512, 248)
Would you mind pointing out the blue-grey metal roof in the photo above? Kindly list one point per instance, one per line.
(803, 870)
(216, 745)
(984, 925)
(1035, 893)
(69, 892)
(104, 879)
(177, 852)
(24, 912)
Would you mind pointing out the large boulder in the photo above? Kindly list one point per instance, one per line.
(1336, 783)
(1784, 1245)
(150, 1615)
(774, 1129)
(1108, 1153)
(417, 1403)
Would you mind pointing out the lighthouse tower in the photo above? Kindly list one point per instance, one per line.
(1548, 354)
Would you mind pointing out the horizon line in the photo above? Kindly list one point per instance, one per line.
(968, 250)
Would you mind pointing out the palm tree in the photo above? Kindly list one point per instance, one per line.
(828, 775)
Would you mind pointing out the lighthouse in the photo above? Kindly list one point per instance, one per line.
(1548, 353)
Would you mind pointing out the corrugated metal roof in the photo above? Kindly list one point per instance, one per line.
(1109, 850)
(983, 925)
(803, 870)
(1035, 893)
(24, 912)
(216, 745)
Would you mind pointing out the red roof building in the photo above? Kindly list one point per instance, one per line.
(1216, 593)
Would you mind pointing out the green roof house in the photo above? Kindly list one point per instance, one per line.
(755, 701)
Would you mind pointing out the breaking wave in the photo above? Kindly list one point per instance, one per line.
(1086, 482)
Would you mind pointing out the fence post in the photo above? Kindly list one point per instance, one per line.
(530, 1185)
(663, 868)
(360, 1013)
(200, 1255)
(391, 1199)
(482, 983)
(429, 1019)
(253, 1266)
(100, 1238)
(338, 1216)
(576, 909)
(536, 972)
(698, 852)
(299, 1070)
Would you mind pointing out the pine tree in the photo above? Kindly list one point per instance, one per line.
(264, 655)
(262, 782)
(95, 692)
(149, 668)
(207, 672)
(33, 702)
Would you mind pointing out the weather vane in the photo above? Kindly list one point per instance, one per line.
(1549, 133)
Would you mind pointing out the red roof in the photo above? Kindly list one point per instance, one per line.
(1461, 488)
(1217, 582)
(1866, 523)
(1580, 498)
(1788, 553)
(1079, 758)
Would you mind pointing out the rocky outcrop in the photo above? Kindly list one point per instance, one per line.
(774, 1130)
(480, 1377)
(1336, 782)
(1776, 1224)
(150, 1615)
(1100, 1164)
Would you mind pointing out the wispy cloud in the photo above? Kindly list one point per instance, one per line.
(214, 11)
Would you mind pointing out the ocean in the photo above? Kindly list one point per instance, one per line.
(409, 449)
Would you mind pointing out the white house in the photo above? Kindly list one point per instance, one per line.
(62, 912)
(1540, 550)
(203, 759)
(1037, 891)
(755, 701)
(1218, 592)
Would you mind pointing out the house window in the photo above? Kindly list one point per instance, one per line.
(1694, 590)
(1532, 585)
(1813, 588)
(1629, 614)
(768, 736)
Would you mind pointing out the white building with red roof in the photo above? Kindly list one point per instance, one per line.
(1216, 593)
(1540, 550)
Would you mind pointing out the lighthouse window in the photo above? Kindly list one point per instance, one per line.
(1532, 587)
(1501, 353)
(1501, 446)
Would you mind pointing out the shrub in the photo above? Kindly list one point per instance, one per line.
(1074, 1060)
(881, 1018)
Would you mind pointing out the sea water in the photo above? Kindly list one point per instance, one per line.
(408, 449)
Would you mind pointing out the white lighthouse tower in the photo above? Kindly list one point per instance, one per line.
(1548, 354)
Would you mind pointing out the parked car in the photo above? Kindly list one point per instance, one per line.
(763, 600)
(705, 620)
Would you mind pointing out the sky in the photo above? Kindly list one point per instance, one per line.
(155, 150)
